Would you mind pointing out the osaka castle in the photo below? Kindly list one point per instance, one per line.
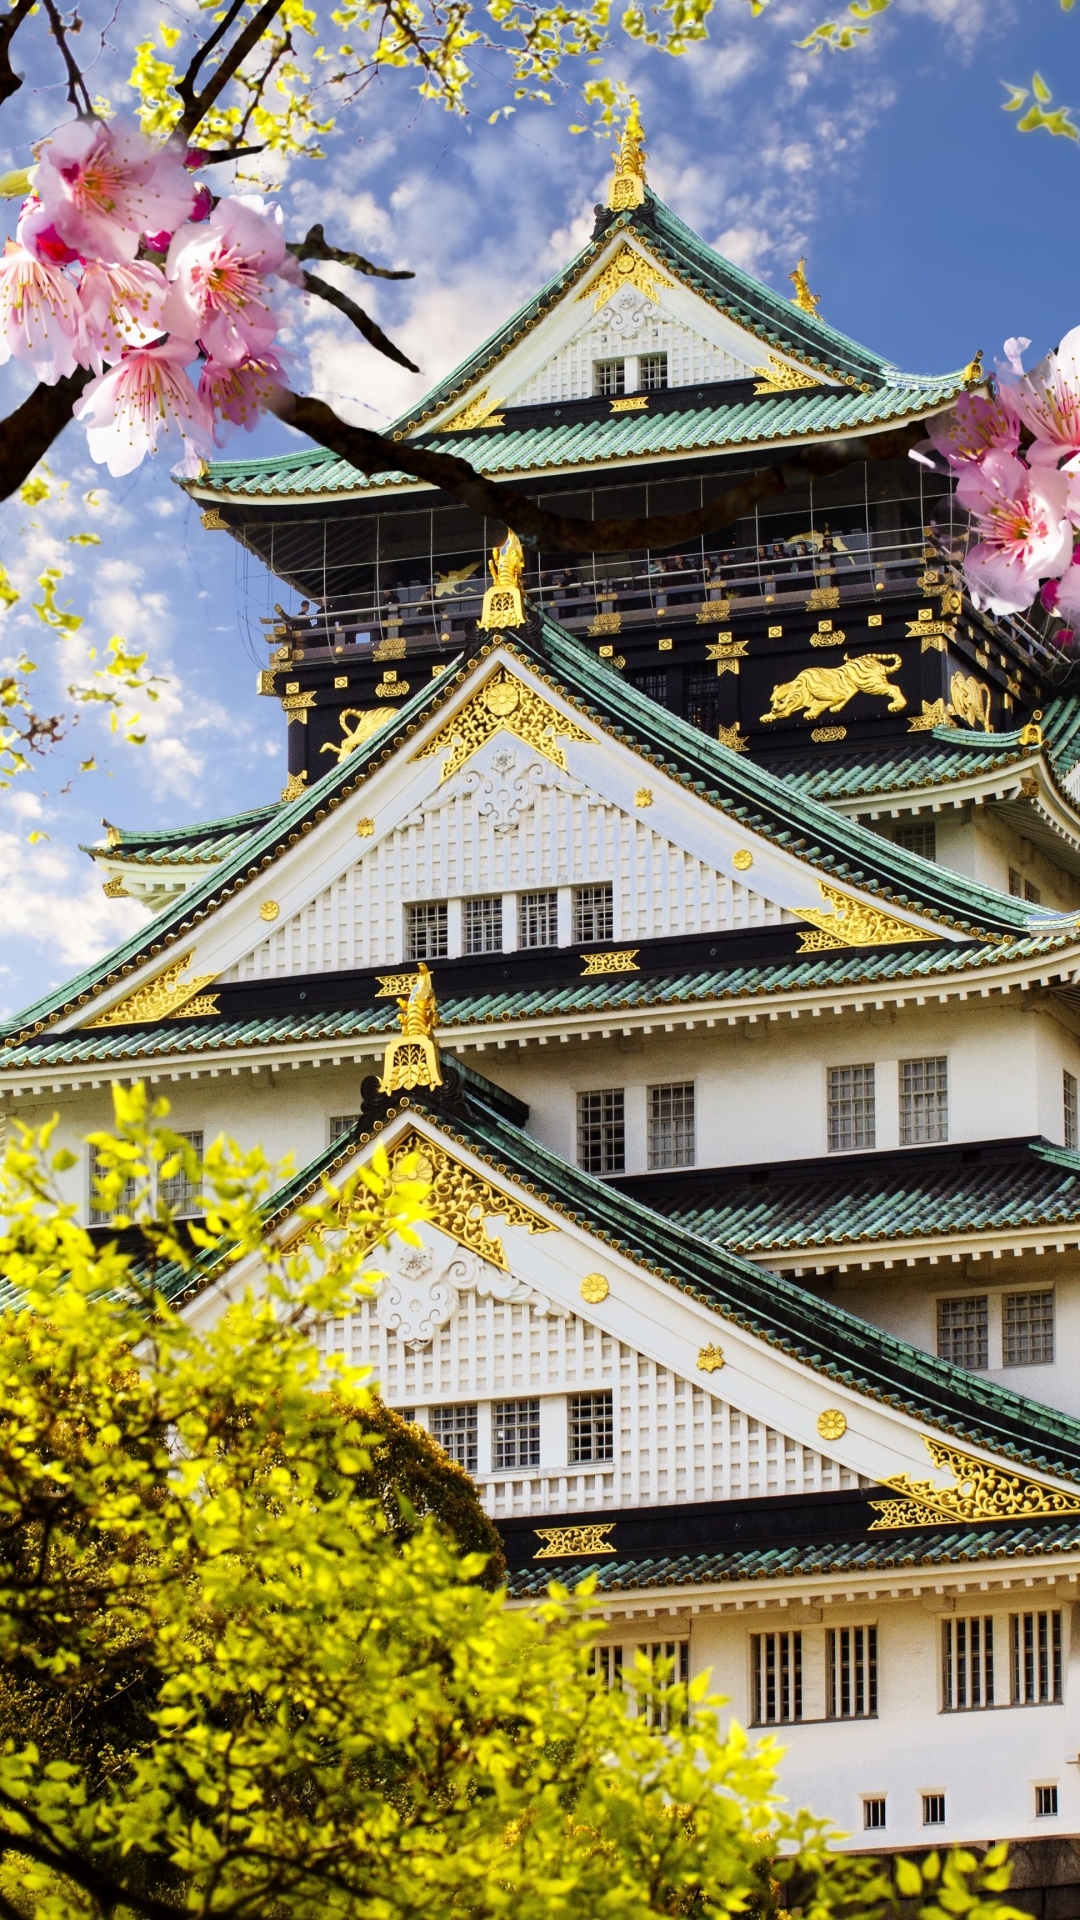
(707, 918)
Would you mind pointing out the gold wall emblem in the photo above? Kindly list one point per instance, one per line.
(411, 1058)
(365, 828)
(934, 714)
(269, 911)
(162, 999)
(594, 1288)
(980, 1491)
(629, 268)
(832, 1424)
(623, 962)
(734, 739)
(643, 797)
(710, 1359)
(853, 923)
(297, 706)
(294, 786)
(743, 860)
(503, 604)
(502, 701)
(818, 690)
(631, 403)
(366, 721)
(564, 1543)
(710, 610)
(460, 1202)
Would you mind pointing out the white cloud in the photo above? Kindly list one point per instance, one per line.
(58, 907)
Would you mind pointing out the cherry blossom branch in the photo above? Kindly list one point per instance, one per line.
(10, 81)
(77, 92)
(362, 321)
(28, 433)
(316, 247)
(197, 105)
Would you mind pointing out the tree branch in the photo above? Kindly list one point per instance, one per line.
(28, 433)
(372, 454)
(197, 105)
(77, 93)
(316, 247)
(10, 81)
(362, 321)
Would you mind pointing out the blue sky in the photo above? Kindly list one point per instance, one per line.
(930, 228)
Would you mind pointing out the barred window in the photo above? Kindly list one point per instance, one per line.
(653, 684)
(601, 1130)
(593, 913)
(851, 1655)
(614, 1665)
(924, 1101)
(967, 1663)
(341, 1123)
(426, 930)
(178, 1193)
(851, 1108)
(455, 1430)
(1031, 893)
(609, 376)
(592, 1427)
(1046, 1802)
(933, 1809)
(100, 1214)
(919, 836)
(515, 1433)
(703, 700)
(1068, 1090)
(608, 1663)
(1016, 884)
(1027, 1329)
(652, 372)
(1035, 1650)
(671, 1125)
(963, 1331)
(873, 1813)
(482, 923)
(777, 1677)
(538, 919)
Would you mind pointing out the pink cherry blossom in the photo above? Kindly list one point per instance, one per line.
(103, 186)
(240, 393)
(36, 231)
(973, 426)
(1014, 351)
(147, 393)
(219, 273)
(121, 308)
(1048, 400)
(1023, 526)
(40, 316)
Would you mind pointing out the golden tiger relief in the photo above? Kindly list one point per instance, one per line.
(819, 690)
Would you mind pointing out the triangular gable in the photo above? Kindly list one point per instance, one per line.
(700, 1349)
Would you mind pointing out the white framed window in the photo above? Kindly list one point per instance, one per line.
(873, 1812)
(933, 1809)
(592, 1427)
(101, 1215)
(456, 1430)
(917, 836)
(1046, 1801)
(852, 1672)
(609, 376)
(179, 1192)
(426, 930)
(776, 1678)
(967, 1663)
(1027, 1328)
(601, 1130)
(963, 1331)
(341, 1123)
(482, 923)
(1068, 1101)
(851, 1108)
(538, 919)
(671, 1124)
(593, 913)
(1035, 1658)
(515, 1434)
(924, 1100)
(614, 1666)
(652, 372)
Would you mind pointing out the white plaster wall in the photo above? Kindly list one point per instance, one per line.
(975, 842)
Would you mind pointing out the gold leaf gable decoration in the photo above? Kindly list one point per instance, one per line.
(166, 997)
(479, 412)
(460, 1201)
(629, 268)
(980, 1491)
(852, 923)
(502, 701)
(777, 377)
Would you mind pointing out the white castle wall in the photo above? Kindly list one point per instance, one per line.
(628, 324)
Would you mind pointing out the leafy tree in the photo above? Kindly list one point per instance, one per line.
(232, 1684)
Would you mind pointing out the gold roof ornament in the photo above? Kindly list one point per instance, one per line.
(503, 604)
(806, 301)
(973, 374)
(411, 1058)
(627, 189)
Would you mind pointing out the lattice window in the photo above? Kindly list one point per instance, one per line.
(918, 836)
(538, 919)
(1027, 1329)
(652, 371)
(593, 913)
(515, 1434)
(967, 1663)
(655, 685)
(963, 1331)
(851, 1108)
(181, 1194)
(601, 1130)
(924, 1101)
(426, 930)
(1035, 1657)
(703, 701)
(101, 1215)
(776, 1660)
(609, 376)
(851, 1659)
(455, 1429)
(341, 1123)
(592, 1427)
(1068, 1093)
(482, 923)
(671, 1125)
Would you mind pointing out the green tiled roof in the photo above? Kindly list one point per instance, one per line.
(933, 759)
(732, 782)
(209, 840)
(877, 1553)
(1061, 732)
(619, 995)
(784, 1209)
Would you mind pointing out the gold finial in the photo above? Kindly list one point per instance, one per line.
(806, 301)
(503, 605)
(1032, 734)
(627, 189)
(973, 372)
(411, 1058)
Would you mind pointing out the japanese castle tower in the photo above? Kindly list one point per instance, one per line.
(746, 878)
